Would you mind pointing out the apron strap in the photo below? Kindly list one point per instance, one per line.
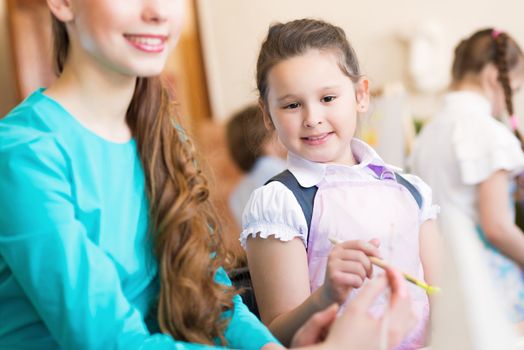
(411, 188)
(306, 195)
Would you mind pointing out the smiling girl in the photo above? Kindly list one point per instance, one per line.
(311, 93)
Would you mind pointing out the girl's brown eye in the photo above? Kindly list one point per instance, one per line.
(292, 106)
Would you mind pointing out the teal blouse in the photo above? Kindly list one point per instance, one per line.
(76, 270)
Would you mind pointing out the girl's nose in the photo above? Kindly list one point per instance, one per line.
(312, 119)
(155, 11)
(311, 123)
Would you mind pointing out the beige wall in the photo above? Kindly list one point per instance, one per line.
(7, 90)
(233, 29)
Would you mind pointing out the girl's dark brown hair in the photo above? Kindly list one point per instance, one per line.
(484, 47)
(287, 40)
(183, 223)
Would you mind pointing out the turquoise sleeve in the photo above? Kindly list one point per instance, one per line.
(72, 283)
(245, 331)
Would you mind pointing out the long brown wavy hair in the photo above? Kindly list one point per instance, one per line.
(489, 46)
(183, 223)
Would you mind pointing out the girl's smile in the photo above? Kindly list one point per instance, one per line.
(317, 139)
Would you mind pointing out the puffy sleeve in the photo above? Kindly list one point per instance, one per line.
(273, 210)
(428, 210)
(71, 283)
(483, 146)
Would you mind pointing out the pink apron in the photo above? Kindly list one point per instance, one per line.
(365, 209)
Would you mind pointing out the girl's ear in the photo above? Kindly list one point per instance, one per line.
(61, 9)
(265, 114)
(362, 95)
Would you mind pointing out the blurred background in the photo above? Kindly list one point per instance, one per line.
(404, 46)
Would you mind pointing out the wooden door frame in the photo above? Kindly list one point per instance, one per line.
(29, 33)
(31, 53)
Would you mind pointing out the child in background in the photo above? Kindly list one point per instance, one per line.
(256, 151)
(470, 158)
(311, 92)
(108, 239)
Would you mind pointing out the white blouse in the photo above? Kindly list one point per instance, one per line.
(461, 147)
(273, 210)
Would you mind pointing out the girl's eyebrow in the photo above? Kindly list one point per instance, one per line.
(330, 87)
(285, 97)
(291, 96)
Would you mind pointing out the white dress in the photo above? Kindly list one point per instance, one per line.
(460, 148)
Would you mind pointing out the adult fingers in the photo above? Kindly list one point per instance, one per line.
(316, 327)
(402, 317)
(396, 282)
(369, 293)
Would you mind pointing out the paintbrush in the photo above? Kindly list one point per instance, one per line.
(382, 264)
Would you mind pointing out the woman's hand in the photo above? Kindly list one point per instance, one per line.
(314, 331)
(357, 329)
(347, 267)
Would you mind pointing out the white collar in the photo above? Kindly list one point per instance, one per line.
(310, 174)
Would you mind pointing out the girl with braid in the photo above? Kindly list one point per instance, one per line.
(471, 159)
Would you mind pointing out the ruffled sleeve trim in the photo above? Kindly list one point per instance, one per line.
(265, 230)
(273, 210)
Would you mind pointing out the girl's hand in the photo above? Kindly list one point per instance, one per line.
(347, 267)
(357, 329)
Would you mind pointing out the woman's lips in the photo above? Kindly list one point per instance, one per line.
(147, 42)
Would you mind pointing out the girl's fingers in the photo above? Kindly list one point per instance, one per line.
(347, 280)
(375, 242)
(348, 257)
(349, 267)
(366, 247)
